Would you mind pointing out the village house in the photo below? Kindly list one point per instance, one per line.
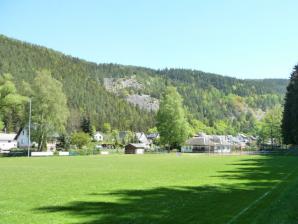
(98, 137)
(52, 142)
(8, 141)
(242, 138)
(153, 136)
(135, 148)
(23, 138)
(236, 142)
(207, 143)
(141, 138)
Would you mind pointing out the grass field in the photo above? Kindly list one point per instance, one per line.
(149, 189)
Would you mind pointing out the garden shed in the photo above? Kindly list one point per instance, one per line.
(135, 148)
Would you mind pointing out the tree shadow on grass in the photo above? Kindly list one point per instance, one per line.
(187, 204)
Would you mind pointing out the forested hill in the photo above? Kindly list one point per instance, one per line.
(210, 98)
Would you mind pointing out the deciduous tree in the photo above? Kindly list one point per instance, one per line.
(269, 128)
(11, 104)
(80, 139)
(49, 107)
(172, 124)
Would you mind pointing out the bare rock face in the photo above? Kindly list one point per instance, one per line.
(145, 102)
(119, 86)
(115, 85)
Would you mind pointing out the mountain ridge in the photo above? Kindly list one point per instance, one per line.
(134, 66)
(87, 96)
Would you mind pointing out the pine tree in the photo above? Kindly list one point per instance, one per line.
(86, 126)
(290, 115)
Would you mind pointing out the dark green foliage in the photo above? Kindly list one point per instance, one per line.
(210, 98)
(86, 126)
(290, 115)
(82, 82)
(63, 142)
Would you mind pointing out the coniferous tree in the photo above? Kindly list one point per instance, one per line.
(290, 115)
(208, 97)
(87, 126)
(63, 142)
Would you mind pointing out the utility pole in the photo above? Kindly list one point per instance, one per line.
(29, 128)
(271, 135)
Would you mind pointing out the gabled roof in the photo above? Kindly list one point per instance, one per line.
(152, 135)
(208, 140)
(8, 136)
(19, 132)
(201, 141)
(142, 137)
(98, 133)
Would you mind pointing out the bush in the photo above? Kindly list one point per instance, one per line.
(80, 139)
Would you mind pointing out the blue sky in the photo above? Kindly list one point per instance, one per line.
(244, 39)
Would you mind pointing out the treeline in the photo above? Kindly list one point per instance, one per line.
(214, 100)
(81, 83)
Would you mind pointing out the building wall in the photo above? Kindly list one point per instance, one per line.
(139, 151)
(222, 148)
(6, 145)
(186, 148)
(215, 149)
(23, 140)
(98, 137)
(129, 149)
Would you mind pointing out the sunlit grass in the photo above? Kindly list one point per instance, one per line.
(143, 188)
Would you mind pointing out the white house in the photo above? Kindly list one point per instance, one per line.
(98, 137)
(23, 138)
(207, 143)
(141, 138)
(8, 141)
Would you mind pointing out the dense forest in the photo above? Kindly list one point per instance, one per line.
(220, 103)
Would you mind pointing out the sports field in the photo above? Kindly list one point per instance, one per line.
(149, 189)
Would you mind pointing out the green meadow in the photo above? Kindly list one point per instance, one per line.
(164, 188)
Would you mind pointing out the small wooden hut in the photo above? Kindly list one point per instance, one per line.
(135, 148)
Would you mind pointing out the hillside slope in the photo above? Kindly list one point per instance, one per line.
(208, 97)
(82, 85)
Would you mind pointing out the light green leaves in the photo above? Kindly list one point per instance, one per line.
(171, 119)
